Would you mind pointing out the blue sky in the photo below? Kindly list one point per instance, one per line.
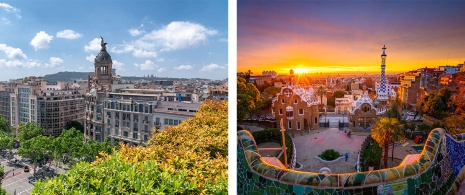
(165, 38)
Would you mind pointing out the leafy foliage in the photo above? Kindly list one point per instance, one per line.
(76, 125)
(4, 125)
(386, 130)
(329, 155)
(247, 98)
(190, 158)
(336, 94)
(371, 155)
(29, 130)
(436, 104)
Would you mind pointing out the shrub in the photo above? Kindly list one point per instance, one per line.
(329, 155)
(190, 158)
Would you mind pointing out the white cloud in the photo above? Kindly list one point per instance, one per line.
(180, 35)
(183, 67)
(160, 70)
(212, 67)
(90, 58)
(19, 63)
(148, 65)
(144, 54)
(93, 45)
(41, 40)
(5, 21)
(54, 61)
(118, 65)
(68, 34)
(135, 32)
(12, 53)
(10, 9)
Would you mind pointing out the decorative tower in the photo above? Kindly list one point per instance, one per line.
(382, 93)
(103, 69)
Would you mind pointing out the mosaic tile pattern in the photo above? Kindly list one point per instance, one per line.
(433, 173)
(456, 153)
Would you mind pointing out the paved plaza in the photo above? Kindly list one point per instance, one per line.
(309, 146)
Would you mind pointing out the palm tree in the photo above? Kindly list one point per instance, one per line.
(387, 130)
(321, 91)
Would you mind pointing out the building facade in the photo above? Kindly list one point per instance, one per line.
(5, 105)
(128, 115)
(57, 108)
(297, 107)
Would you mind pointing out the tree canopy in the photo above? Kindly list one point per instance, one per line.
(336, 94)
(386, 130)
(248, 97)
(436, 104)
(190, 158)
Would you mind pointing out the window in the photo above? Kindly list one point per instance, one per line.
(146, 128)
(298, 125)
(116, 131)
(108, 131)
(125, 134)
(145, 138)
(166, 121)
(301, 111)
(316, 120)
(282, 101)
(290, 113)
(134, 135)
(289, 125)
(280, 111)
(295, 101)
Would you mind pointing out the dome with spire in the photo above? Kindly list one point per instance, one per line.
(103, 55)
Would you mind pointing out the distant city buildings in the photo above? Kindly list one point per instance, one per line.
(127, 112)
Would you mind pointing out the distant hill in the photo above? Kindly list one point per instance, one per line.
(71, 76)
(66, 76)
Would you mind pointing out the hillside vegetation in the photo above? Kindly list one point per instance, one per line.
(190, 158)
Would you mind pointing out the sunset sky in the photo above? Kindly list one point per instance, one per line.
(343, 37)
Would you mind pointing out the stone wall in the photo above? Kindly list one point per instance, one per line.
(439, 170)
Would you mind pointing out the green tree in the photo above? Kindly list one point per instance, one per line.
(321, 92)
(76, 125)
(28, 131)
(247, 98)
(6, 142)
(190, 158)
(37, 148)
(67, 146)
(336, 94)
(4, 125)
(271, 91)
(387, 130)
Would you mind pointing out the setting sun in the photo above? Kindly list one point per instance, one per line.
(300, 70)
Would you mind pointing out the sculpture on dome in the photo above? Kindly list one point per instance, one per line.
(103, 44)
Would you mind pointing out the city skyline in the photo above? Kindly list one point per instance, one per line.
(347, 37)
(167, 39)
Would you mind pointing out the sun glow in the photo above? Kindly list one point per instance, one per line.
(301, 70)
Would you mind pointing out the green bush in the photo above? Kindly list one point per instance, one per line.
(274, 135)
(329, 155)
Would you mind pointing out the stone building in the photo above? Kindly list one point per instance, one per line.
(122, 114)
(55, 109)
(364, 113)
(298, 107)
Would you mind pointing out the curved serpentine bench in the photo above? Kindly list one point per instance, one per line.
(431, 157)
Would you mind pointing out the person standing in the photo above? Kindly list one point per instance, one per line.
(346, 155)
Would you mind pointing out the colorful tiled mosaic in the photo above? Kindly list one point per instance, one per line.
(435, 172)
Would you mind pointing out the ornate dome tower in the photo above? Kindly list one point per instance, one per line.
(103, 66)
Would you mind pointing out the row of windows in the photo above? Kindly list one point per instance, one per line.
(295, 101)
(291, 113)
